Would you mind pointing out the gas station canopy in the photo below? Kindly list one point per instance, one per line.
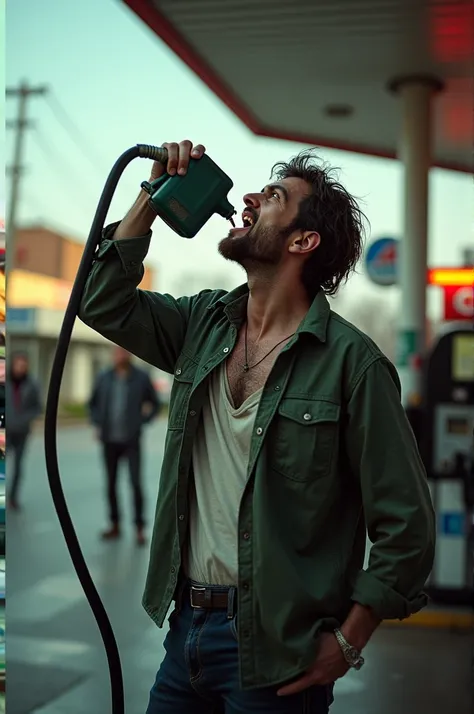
(323, 71)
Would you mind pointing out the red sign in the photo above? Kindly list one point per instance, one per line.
(459, 302)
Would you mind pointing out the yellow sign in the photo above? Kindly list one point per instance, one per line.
(451, 276)
(463, 358)
(27, 289)
(2, 296)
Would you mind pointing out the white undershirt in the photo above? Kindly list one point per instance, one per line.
(220, 460)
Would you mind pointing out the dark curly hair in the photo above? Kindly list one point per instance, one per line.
(334, 214)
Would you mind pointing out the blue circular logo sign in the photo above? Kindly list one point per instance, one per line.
(381, 261)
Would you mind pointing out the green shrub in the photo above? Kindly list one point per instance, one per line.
(74, 409)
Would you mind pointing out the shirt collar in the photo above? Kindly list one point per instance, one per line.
(315, 321)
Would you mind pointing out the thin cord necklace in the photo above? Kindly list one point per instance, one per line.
(248, 366)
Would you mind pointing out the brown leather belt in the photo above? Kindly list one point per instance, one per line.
(209, 599)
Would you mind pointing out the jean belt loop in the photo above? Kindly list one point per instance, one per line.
(230, 603)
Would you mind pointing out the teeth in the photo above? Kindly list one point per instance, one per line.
(247, 221)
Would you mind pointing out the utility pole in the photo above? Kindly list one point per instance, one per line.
(24, 92)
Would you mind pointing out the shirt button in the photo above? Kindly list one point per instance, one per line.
(259, 431)
(245, 586)
(173, 569)
(246, 535)
(277, 388)
(307, 417)
(178, 372)
(192, 413)
(225, 350)
(181, 517)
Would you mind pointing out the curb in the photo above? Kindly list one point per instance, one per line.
(437, 619)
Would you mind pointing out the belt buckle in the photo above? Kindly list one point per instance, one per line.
(194, 588)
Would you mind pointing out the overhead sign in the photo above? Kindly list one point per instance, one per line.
(451, 276)
(459, 302)
(381, 261)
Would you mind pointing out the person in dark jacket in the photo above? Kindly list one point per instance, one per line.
(122, 401)
(23, 405)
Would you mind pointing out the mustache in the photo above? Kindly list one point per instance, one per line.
(253, 213)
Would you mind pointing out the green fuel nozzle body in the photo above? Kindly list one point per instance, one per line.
(185, 203)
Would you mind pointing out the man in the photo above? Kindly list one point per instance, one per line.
(22, 402)
(287, 444)
(122, 401)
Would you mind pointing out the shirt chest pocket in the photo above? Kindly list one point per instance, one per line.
(181, 391)
(305, 438)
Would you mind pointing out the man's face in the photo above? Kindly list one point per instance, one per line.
(267, 220)
(121, 357)
(19, 366)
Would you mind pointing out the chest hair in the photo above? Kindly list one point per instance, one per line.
(243, 384)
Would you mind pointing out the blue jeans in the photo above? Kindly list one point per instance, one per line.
(200, 672)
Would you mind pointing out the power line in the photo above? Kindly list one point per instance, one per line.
(49, 150)
(63, 118)
(86, 148)
(53, 157)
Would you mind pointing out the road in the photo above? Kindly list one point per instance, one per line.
(55, 660)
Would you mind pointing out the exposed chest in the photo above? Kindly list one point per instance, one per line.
(260, 359)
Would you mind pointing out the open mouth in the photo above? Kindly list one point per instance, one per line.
(248, 221)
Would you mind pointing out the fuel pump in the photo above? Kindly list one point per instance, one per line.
(447, 448)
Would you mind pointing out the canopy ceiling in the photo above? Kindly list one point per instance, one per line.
(318, 71)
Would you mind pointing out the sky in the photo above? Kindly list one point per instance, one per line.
(120, 85)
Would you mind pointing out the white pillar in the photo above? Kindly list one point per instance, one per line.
(416, 95)
(80, 383)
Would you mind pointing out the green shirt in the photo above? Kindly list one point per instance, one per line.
(332, 457)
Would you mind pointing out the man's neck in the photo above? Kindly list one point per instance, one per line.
(275, 307)
(122, 370)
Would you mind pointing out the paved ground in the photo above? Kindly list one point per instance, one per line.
(55, 662)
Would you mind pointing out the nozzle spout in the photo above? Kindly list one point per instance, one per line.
(225, 209)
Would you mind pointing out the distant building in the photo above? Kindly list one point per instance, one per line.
(39, 287)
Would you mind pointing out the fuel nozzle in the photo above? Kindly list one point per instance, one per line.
(185, 203)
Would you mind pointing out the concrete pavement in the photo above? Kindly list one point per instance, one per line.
(55, 660)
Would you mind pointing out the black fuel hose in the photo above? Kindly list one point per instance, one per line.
(50, 444)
